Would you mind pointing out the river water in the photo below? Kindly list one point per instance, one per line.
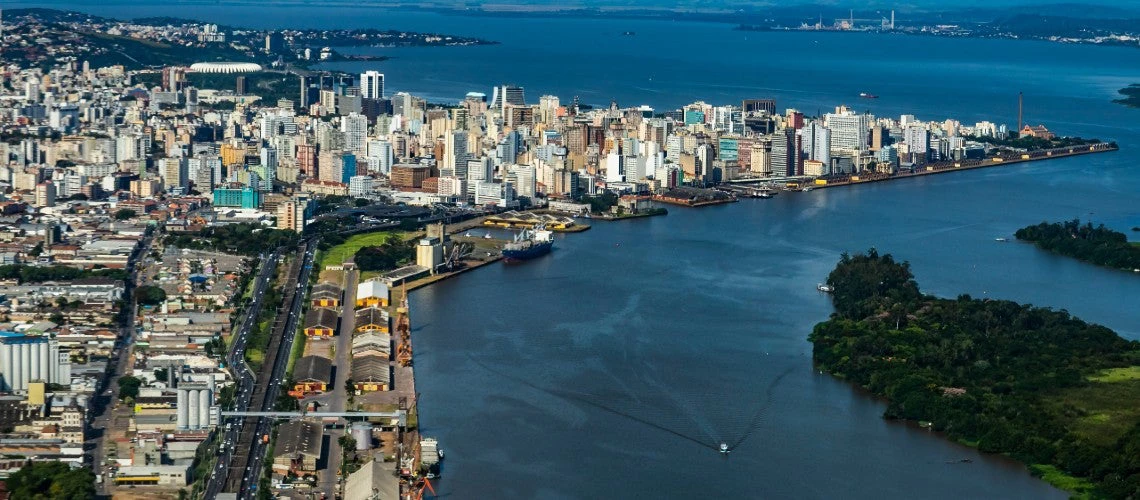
(609, 368)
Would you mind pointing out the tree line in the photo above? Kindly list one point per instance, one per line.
(241, 239)
(38, 274)
(984, 372)
(1097, 245)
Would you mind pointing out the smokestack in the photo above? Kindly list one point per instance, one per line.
(1020, 108)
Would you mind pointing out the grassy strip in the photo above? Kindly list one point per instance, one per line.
(299, 340)
(1117, 375)
(338, 254)
(1081, 488)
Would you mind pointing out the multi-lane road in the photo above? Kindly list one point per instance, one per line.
(242, 374)
(241, 459)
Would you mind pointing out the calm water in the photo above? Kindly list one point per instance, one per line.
(608, 368)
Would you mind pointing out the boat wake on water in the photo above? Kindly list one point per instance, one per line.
(755, 422)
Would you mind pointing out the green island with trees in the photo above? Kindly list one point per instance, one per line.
(1035, 384)
(1097, 245)
(1030, 143)
(1130, 96)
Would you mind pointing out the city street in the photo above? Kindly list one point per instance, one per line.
(343, 363)
(105, 407)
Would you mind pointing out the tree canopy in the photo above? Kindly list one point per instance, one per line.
(393, 253)
(150, 295)
(1007, 377)
(52, 480)
(37, 274)
(1097, 245)
(241, 239)
(129, 387)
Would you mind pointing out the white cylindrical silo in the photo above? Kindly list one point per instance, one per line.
(53, 364)
(203, 408)
(183, 411)
(43, 365)
(26, 367)
(18, 367)
(6, 359)
(192, 408)
(362, 433)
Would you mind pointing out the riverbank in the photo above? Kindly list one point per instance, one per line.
(947, 362)
(945, 167)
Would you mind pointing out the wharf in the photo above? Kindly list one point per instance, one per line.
(996, 161)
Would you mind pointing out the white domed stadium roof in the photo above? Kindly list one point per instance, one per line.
(225, 67)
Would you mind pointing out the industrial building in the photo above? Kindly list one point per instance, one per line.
(371, 373)
(24, 358)
(298, 448)
(372, 293)
(195, 401)
(372, 319)
(320, 322)
(311, 374)
(153, 475)
(373, 481)
(372, 344)
(326, 295)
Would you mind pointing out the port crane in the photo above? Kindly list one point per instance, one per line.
(403, 331)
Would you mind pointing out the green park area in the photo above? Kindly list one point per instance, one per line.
(343, 251)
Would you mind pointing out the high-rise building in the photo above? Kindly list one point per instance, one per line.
(372, 85)
(355, 128)
(785, 156)
(45, 194)
(917, 139)
(849, 130)
(240, 85)
(507, 94)
(817, 142)
(455, 151)
(757, 105)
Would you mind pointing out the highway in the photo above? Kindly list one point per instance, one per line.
(245, 454)
(242, 374)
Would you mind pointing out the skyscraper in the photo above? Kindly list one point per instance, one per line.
(355, 128)
(455, 150)
(372, 85)
(507, 94)
(817, 142)
(848, 130)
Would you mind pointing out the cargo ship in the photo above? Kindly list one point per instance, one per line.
(866, 95)
(529, 244)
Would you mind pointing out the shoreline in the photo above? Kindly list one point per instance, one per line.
(996, 161)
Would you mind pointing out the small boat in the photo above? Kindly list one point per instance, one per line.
(467, 234)
(868, 96)
(806, 189)
(431, 475)
(487, 236)
(825, 288)
(724, 449)
(1003, 240)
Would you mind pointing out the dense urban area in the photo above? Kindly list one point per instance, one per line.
(205, 263)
